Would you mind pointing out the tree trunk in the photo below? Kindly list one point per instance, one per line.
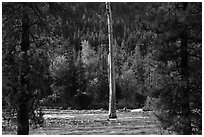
(186, 113)
(22, 116)
(23, 120)
(112, 95)
(185, 105)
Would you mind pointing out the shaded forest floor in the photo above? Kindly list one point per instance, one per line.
(87, 122)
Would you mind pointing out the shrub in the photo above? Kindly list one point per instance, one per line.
(82, 101)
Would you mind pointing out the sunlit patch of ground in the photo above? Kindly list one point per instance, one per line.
(93, 122)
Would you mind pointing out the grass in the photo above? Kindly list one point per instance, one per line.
(97, 123)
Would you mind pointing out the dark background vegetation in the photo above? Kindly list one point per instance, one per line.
(55, 55)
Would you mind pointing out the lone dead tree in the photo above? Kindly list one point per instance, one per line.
(112, 94)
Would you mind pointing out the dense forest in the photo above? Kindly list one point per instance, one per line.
(56, 55)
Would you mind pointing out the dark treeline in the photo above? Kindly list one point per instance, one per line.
(56, 55)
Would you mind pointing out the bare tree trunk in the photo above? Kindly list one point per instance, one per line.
(112, 95)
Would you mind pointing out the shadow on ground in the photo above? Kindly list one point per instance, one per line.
(97, 123)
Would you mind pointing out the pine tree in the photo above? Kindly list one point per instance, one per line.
(176, 34)
(25, 61)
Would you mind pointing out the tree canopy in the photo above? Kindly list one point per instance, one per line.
(55, 54)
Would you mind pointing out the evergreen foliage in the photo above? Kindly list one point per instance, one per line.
(57, 54)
